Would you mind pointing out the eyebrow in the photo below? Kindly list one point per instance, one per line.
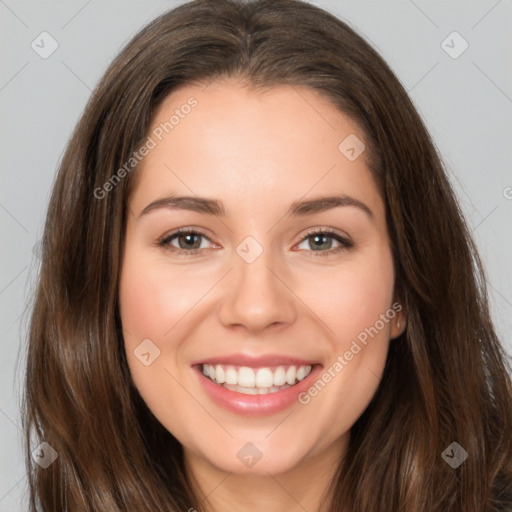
(215, 207)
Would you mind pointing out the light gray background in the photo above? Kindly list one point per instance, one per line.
(466, 103)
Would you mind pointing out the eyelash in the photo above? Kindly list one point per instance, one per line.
(345, 243)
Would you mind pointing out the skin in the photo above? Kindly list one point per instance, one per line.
(257, 152)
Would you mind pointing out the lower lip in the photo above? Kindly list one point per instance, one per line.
(256, 405)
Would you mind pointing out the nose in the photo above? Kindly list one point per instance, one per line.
(257, 296)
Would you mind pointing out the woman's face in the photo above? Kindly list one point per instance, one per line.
(264, 296)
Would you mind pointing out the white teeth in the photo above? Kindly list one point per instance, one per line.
(263, 380)
(302, 372)
(231, 376)
(246, 377)
(219, 374)
(279, 376)
(290, 375)
(254, 391)
(247, 391)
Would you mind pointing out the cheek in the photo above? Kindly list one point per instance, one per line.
(152, 299)
(151, 304)
(360, 298)
(351, 297)
(356, 305)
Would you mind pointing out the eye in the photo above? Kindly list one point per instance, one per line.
(320, 239)
(188, 240)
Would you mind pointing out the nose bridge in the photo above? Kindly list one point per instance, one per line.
(255, 296)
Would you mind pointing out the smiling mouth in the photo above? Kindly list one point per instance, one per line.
(255, 381)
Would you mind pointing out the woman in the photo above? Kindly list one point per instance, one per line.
(254, 370)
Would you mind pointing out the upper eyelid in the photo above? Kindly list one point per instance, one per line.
(309, 232)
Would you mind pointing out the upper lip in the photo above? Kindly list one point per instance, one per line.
(255, 361)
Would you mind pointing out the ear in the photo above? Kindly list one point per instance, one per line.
(399, 322)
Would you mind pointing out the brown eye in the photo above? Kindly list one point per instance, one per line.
(188, 241)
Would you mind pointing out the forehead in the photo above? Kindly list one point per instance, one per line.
(229, 141)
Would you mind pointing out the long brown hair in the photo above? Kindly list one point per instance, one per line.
(447, 378)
